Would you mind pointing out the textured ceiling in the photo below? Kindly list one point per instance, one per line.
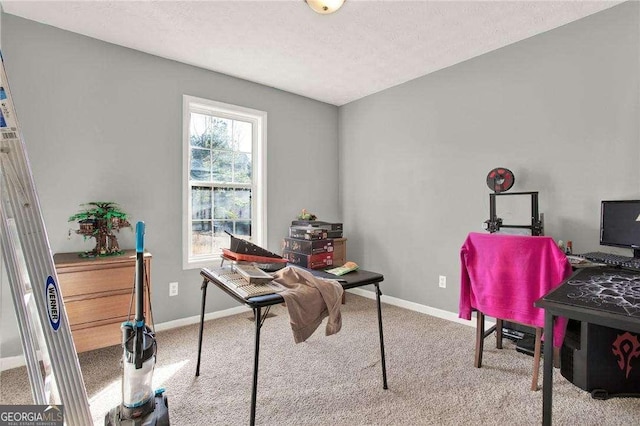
(365, 47)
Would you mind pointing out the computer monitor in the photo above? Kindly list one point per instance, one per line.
(620, 224)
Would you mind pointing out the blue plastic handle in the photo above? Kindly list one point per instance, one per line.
(140, 237)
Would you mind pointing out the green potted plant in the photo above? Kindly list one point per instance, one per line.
(305, 215)
(99, 220)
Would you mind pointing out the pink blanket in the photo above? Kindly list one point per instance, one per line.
(503, 275)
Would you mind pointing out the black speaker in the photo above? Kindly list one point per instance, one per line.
(597, 358)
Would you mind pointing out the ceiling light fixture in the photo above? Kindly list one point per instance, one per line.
(325, 7)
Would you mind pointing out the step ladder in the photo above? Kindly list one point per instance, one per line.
(50, 356)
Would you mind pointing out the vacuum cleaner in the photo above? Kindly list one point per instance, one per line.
(141, 406)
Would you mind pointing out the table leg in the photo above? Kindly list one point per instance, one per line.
(384, 365)
(254, 390)
(203, 287)
(477, 362)
(547, 381)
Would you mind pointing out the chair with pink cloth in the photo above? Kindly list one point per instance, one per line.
(501, 276)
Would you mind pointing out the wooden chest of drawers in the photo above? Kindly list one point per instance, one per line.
(340, 255)
(98, 296)
(339, 251)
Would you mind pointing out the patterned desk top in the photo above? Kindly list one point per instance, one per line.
(611, 290)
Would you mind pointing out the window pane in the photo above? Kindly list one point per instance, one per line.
(223, 204)
(220, 238)
(242, 168)
(243, 228)
(231, 203)
(222, 131)
(222, 166)
(200, 164)
(199, 130)
(242, 203)
(200, 202)
(220, 226)
(201, 237)
(242, 134)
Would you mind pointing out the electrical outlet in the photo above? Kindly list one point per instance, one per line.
(173, 289)
(442, 282)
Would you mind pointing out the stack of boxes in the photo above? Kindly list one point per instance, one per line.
(310, 243)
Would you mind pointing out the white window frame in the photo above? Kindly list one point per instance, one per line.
(259, 173)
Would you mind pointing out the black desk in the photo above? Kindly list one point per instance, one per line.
(605, 296)
(354, 279)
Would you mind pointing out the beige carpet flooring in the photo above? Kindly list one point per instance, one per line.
(337, 380)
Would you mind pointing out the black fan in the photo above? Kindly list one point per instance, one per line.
(500, 179)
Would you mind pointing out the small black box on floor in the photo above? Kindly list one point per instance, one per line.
(311, 261)
(517, 332)
(307, 233)
(527, 345)
(597, 357)
(522, 335)
(307, 246)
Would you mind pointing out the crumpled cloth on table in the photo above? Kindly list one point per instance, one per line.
(309, 300)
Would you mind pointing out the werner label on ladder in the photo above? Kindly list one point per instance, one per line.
(52, 362)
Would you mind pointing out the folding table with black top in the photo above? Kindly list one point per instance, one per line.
(353, 279)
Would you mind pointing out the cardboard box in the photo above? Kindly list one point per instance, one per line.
(311, 261)
(307, 246)
(318, 224)
(307, 233)
(334, 234)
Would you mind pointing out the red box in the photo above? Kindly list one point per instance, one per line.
(311, 261)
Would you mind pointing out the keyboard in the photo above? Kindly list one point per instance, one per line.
(613, 259)
(230, 278)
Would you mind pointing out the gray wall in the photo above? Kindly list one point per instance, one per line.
(559, 109)
(102, 122)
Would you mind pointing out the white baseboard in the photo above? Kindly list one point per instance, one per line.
(8, 363)
(434, 312)
(196, 318)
